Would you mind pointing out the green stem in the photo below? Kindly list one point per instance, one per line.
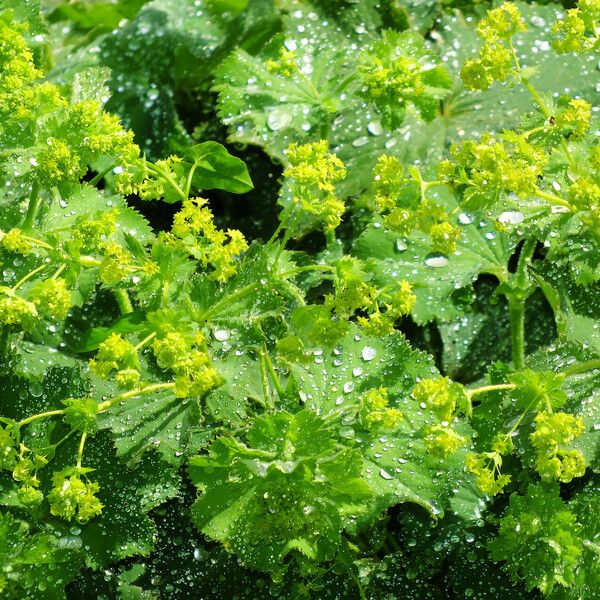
(28, 277)
(271, 369)
(292, 291)
(231, 299)
(188, 183)
(158, 171)
(58, 271)
(285, 215)
(589, 365)
(123, 301)
(516, 313)
(144, 341)
(4, 342)
(265, 383)
(102, 174)
(32, 208)
(39, 243)
(490, 388)
(325, 130)
(80, 449)
(553, 199)
(286, 238)
(361, 591)
(103, 406)
(44, 415)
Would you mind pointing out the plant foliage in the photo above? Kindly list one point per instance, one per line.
(299, 299)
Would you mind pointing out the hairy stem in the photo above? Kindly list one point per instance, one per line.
(227, 300)
(123, 301)
(490, 388)
(516, 313)
(80, 449)
(32, 208)
(28, 276)
(583, 367)
(103, 406)
(272, 373)
(44, 415)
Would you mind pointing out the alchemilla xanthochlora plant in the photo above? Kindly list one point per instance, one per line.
(299, 299)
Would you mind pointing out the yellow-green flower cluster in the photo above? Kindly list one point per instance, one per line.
(312, 175)
(195, 227)
(73, 498)
(352, 290)
(501, 23)
(375, 414)
(23, 463)
(574, 120)
(506, 163)
(436, 395)
(148, 181)
(397, 73)
(388, 181)
(67, 137)
(116, 263)
(494, 61)
(99, 133)
(195, 375)
(117, 354)
(404, 206)
(187, 357)
(15, 241)
(577, 31)
(285, 65)
(442, 440)
(397, 302)
(24, 472)
(554, 459)
(52, 297)
(486, 466)
(444, 237)
(440, 396)
(22, 95)
(91, 232)
(15, 310)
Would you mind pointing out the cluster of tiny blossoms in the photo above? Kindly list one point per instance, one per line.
(70, 496)
(312, 174)
(495, 60)
(402, 202)
(441, 397)
(551, 438)
(380, 307)
(194, 226)
(187, 357)
(184, 354)
(68, 136)
(375, 413)
(578, 30)
(397, 73)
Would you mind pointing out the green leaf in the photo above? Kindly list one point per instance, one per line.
(214, 168)
(539, 539)
(284, 491)
(501, 107)
(178, 36)
(157, 421)
(435, 278)
(582, 389)
(123, 529)
(37, 562)
(398, 466)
